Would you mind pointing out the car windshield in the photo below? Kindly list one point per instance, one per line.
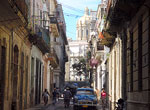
(85, 92)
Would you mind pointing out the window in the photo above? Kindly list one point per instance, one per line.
(131, 61)
(87, 33)
(140, 54)
(41, 17)
(81, 34)
(99, 46)
(54, 39)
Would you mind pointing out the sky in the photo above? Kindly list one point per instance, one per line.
(73, 10)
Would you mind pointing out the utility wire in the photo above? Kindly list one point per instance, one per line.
(72, 8)
(72, 15)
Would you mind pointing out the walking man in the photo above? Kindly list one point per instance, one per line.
(45, 96)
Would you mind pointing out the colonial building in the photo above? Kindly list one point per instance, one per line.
(83, 26)
(27, 54)
(77, 50)
(60, 47)
(127, 26)
(15, 53)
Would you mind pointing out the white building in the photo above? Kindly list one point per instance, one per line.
(77, 49)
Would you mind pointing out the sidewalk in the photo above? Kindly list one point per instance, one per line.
(39, 107)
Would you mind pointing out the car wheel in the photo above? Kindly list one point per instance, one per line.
(75, 107)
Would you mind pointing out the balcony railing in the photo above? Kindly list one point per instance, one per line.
(21, 4)
(21, 9)
(53, 20)
(99, 46)
(52, 57)
(54, 26)
(42, 39)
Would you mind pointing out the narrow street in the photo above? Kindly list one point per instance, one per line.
(59, 106)
(88, 50)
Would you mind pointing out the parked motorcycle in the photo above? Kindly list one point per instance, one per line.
(119, 104)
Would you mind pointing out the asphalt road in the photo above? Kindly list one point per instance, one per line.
(60, 106)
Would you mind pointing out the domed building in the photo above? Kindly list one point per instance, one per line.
(83, 26)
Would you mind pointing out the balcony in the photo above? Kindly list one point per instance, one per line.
(20, 8)
(52, 57)
(41, 39)
(119, 11)
(100, 47)
(54, 27)
(63, 31)
(108, 38)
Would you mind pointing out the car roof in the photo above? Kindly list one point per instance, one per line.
(90, 89)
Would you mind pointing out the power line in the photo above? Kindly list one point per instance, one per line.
(72, 15)
(72, 8)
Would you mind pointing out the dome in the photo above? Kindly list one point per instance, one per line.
(85, 18)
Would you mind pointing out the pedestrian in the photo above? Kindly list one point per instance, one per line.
(67, 97)
(98, 93)
(57, 94)
(45, 95)
(54, 96)
(103, 98)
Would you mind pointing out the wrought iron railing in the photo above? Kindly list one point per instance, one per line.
(43, 33)
(22, 6)
(53, 52)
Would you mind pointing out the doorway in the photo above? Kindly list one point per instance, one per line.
(15, 77)
(2, 75)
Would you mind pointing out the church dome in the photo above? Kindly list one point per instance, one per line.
(84, 19)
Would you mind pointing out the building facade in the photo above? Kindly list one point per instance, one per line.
(27, 56)
(129, 55)
(77, 50)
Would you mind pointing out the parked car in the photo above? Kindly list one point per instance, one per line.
(85, 98)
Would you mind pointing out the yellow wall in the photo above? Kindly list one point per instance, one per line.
(20, 39)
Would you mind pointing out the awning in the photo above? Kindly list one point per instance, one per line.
(101, 35)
